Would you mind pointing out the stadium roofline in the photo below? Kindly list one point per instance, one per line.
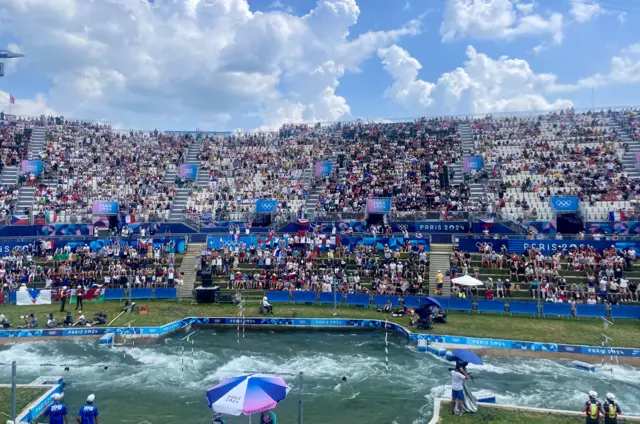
(6, 54)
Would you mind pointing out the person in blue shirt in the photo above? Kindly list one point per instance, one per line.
(57, 412)
(268, 417)
(88, 414)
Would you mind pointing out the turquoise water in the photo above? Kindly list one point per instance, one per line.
(161, 384)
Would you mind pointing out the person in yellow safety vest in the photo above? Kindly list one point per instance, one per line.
(462, 294)
(592, 408)
(439, 282)
(611, 409)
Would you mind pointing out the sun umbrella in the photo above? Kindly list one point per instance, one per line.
(467, 356)
(467, 280)
(431, 301)
(247, 394)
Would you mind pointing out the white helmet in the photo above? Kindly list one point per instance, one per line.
(91, 398)
(593, 394)
(56, 396)
(611, 396)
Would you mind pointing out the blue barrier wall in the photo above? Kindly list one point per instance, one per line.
(547, 246)
(326, 323)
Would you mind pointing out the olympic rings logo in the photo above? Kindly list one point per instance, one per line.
(563, 203)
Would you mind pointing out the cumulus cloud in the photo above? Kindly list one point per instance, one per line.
(584, 12)
(624, 69)
(482, 85)
(147, 64)
(497, 19)
(25, 107)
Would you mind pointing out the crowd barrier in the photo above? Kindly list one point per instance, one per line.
(121, 294)
(501, 306)
(325, 323)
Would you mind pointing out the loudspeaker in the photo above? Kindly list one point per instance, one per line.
(207, 280)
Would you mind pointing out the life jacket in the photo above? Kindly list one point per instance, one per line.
(592, 409)
(611, 410)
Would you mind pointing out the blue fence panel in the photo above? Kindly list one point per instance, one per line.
(490, 305)
(459, 305)
(412, 301)
(558, 309)
(278, 296)
(141, 293)
(166, 293)
(593, 311)
(304, 296)
(444, 301)
(628, 312)
(358, 299)
(381, 300)
(328, 297)
(114, 294)
(523, 308)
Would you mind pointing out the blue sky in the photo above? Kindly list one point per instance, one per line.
(227, 64)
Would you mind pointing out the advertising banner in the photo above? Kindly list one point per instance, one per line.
(266, 206)
(323, 168)
(188, 171)
(472, 162)
(34, 167)
(104, 207)
(546, 246)
(565, 204)
(378, 205)
(25, 298)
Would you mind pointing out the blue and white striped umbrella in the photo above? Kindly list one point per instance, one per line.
(247, 394)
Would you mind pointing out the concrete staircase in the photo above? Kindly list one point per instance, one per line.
(467, 139)
(439, 260)
(476, 190)
(36, 144)
(314, 193)
(188, 268)
(170, 176)
(179, 205)
(629, 158)
(182, 194)
(9, 176)
(26, 199)
(202, 180)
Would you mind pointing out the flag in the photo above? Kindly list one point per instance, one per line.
(50, 216)
(12, 99)
(130, 219)
(20, 220)
(616, 216)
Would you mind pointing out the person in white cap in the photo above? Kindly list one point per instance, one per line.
(611, 409)
(88, 414)
(592, 408)
(57, 412)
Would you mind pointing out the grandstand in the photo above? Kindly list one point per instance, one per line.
(444, 177)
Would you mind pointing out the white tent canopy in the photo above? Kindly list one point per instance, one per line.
(467, 280)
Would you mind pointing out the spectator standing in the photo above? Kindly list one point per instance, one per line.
(592, 408)
(611, 409)
(457, 390)
(88, 414)
(57, 411)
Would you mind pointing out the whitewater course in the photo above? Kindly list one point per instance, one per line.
(346, 377)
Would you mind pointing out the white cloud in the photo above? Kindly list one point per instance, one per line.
(25, 107)
(482, 85)
(497, 19)
(279, 5)
(624, 69)
(622, 17)
(149, 65)
(584, 12)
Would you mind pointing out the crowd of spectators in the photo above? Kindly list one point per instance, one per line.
(575, 275)
(558, 154)
(411, 162)
(248, 167)
(115, 265)
(84, 162)
(317, 263)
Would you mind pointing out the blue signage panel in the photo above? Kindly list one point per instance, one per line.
(547, 246)
(32, 167)
(188, 171)
(102, 207)
(475, 244)
(266, 206)
(378, 205)
(565, 204)
(323, 168)
(472, 162)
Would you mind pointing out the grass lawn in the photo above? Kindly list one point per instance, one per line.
(25, 396)
(625, 333)
(489, 415)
